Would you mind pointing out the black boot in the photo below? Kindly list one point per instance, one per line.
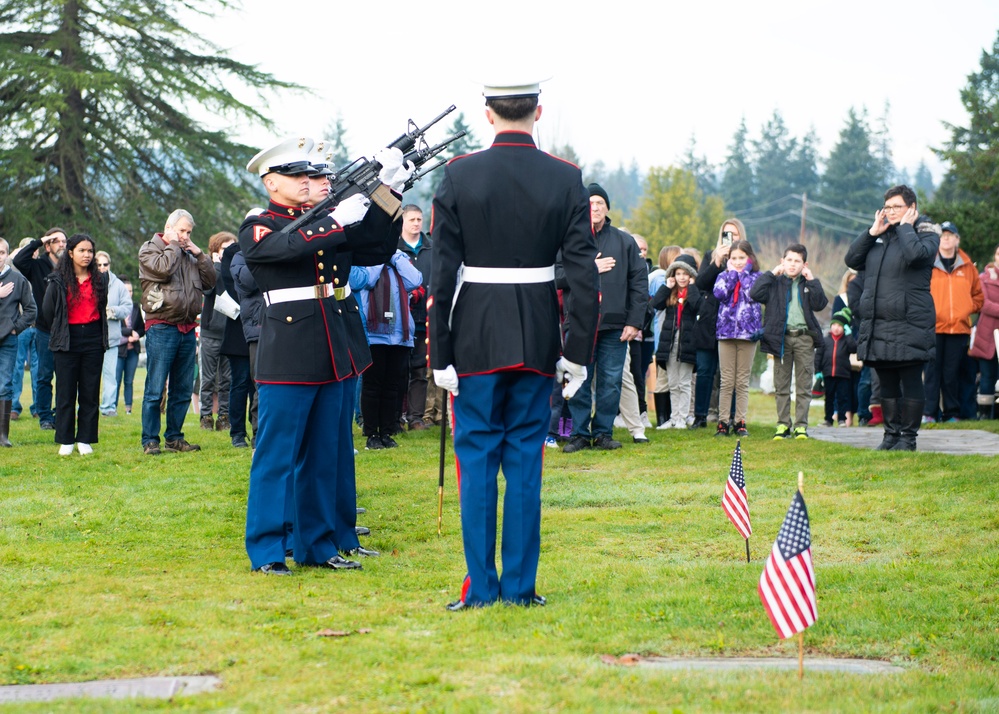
(662, 407)
(910, 417)
(986, 406)
(893, 425)
(5, 423)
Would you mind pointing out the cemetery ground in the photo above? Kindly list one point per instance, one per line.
(120, 565)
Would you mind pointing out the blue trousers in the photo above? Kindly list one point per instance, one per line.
(607, 369)
(26, 352)
(171, 354)
(43, 380)
(303, 470)
(500, 421)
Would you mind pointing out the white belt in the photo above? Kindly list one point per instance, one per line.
(472, 274)
(310, 292)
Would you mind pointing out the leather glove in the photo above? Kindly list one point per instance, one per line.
(350, 210)
(447, 379)
(570, 375)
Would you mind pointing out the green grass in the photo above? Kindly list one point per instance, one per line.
(120, 565)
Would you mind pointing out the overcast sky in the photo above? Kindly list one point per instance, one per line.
(630, 80)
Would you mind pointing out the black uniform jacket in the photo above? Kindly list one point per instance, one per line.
(511, 206)
(312, 341)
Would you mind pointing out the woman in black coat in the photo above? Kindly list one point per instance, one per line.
(898, 320)
(75, 306)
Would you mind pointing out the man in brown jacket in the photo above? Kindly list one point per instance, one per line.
(174, 273)
(957, 295)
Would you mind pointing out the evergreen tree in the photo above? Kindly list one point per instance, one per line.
(969, 193)
(923, 182)
(774, 155)
(803, 171)
(738, 185)
(336, 132)
(96, 132)
(624, 185)
(423, 191)
(674, 211)
(854, 178)
(700, 167)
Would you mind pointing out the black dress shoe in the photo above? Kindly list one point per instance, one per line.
(457, 606)
(361, 530)
(538, 600)
(361, 510)
(366, 552)
(576, 443)
(338, 562)
(278, 568)
(388, 442)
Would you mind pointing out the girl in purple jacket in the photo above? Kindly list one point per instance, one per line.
(740, 326)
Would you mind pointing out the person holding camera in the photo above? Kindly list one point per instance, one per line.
(898, 319)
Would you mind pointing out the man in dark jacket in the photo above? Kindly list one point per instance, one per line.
(37, 270)
(417, 247)
(791, 333)
(624, 288)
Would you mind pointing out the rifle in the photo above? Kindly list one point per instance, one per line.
(361, 175)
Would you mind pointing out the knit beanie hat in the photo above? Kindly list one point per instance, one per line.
(844, 317)
(681, 265)
(596, 189)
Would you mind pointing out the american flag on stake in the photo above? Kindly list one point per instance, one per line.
(787, 584)
(734, 501)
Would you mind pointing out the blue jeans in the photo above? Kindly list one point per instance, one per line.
(240, 393)
(43, 378)
(8, 356)
(169, 353)
(125, 371)
(608, 369)
(25, 353)
(707, 365)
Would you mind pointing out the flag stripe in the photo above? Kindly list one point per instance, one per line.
(787, 586)
(736, 511)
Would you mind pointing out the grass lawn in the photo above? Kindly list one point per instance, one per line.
(120, 565)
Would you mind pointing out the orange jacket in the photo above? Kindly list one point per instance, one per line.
(957, 295)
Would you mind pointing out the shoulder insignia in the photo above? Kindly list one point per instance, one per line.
(259, 232)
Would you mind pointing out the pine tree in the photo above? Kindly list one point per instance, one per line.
(96, 127)
(700, 167)
(424, 190)
(336, 132)
(855, 178)
(738, 185)
(774, 154)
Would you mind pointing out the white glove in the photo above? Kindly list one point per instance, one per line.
(391, 160)
(570, 375)
(350, 210)
(447, 379)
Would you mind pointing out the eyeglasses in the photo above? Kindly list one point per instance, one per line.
(890, 209)
(104, 265)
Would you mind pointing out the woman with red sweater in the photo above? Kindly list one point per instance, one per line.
(75, 305)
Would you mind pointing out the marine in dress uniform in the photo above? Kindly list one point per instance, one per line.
(308, 352)
(500, 218)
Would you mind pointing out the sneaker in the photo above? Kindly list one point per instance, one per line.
(84, 449)
(65, 450)
(576, 443)
(606, 443)
(388, 442)
(128, 410)
(645, 420)
(740, 429)
(722, 429)
(111, 413)
(619, 422)
(239, 442)
(828, 422)
(151, 448)
(800, 432)
(207, 423)
(374, 443)
(640, 439)
(690, 421)
(551, 443)
(668, 424)
(180, 445)
(841, 423)
(46, 425)
(782, 432)
(417, 425)
(928, 420)
(222, 423)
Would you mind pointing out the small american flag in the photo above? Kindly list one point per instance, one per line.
(787, 584)
(734, 501)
